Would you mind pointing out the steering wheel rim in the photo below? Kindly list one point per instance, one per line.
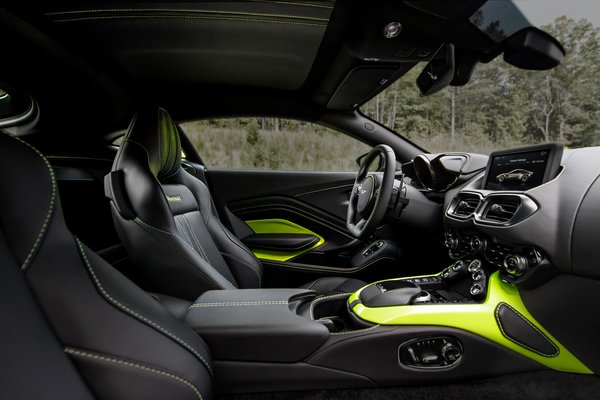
(371, 193)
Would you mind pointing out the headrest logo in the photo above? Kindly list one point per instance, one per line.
(174, 198)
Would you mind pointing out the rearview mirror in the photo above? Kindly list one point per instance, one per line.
(439, 72)
(533, 49)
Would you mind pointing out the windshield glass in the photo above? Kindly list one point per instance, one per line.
(505, 107)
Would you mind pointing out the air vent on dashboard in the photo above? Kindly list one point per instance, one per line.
(465, 205)
(501, 209)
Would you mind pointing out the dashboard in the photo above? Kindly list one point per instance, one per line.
(533, 212)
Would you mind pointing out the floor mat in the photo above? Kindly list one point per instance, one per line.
(543, 385)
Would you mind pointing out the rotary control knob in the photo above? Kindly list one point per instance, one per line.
(477, 244)
(451, 241)
(450, 353)
(515, 265)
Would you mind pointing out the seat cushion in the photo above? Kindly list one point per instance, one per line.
(334, 285)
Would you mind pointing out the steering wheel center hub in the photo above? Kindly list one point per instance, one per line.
(365, 193)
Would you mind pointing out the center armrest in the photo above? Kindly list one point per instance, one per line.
(256, 324)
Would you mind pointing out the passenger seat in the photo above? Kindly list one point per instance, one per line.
(73, 327)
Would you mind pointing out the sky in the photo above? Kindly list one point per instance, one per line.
(542, 12)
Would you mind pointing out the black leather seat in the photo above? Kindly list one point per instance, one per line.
(168, 223)
(74, 327)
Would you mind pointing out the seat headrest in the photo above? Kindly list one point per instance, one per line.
(155, 131)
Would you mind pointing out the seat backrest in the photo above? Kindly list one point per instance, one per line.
(69, 316)
(166, 218)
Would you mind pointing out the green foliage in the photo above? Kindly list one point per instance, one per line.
(284, 145)
(503, 106)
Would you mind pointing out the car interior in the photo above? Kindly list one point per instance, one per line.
(133, 269)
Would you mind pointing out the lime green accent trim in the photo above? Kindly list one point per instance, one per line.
(280, 226)
(479, 319)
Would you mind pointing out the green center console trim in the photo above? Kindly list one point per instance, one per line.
(479, 319)
(280, 226)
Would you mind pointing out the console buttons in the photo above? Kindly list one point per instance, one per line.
(451, 352)
(478, 275)
(451, 241)
(454, 271)
(430, 353)
(373, 248)
(477, 244)
(474, 266)
(476, 289)
(515, 265)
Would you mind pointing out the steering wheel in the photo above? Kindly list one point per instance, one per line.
(371, 193)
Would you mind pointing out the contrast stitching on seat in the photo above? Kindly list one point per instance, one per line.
(351, 332)
(131, 364)
(134, 313)
(42, 234)
(246, 264)
(497, 315)
(138, 220)
(320, 299)
(292, 4)
(192, 11)
(239, 304)
(194, 237)
(130, 17)
(185, 234)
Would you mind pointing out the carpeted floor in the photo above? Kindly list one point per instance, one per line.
(544, 385)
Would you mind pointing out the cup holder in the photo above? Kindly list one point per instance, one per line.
(332, 311)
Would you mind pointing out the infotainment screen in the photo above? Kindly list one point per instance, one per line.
(523, 169)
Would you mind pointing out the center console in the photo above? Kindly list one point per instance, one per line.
(441, 327)
(398, 331)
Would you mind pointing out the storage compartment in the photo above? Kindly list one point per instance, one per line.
(256, 324)
(332, 312)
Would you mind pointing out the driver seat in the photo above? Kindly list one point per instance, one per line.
(168, 224)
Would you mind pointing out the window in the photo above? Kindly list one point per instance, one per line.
(502, 106)
(273, 144)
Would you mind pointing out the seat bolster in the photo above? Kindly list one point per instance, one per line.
(244, 266)
(170, 264)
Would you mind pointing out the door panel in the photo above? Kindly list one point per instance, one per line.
(314, 202)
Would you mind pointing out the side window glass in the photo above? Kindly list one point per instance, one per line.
(273, 144)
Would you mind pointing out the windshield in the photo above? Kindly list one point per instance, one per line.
(505, 107)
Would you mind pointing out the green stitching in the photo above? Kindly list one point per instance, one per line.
(239, 304)
(190, 11)
(99, 357)
(133, 313)
(138, 220)
(293, 4)
(117, 17)
(44, 228)
(497, 315)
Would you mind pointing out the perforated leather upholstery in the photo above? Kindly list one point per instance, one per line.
(167, 220)
(122, 344)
